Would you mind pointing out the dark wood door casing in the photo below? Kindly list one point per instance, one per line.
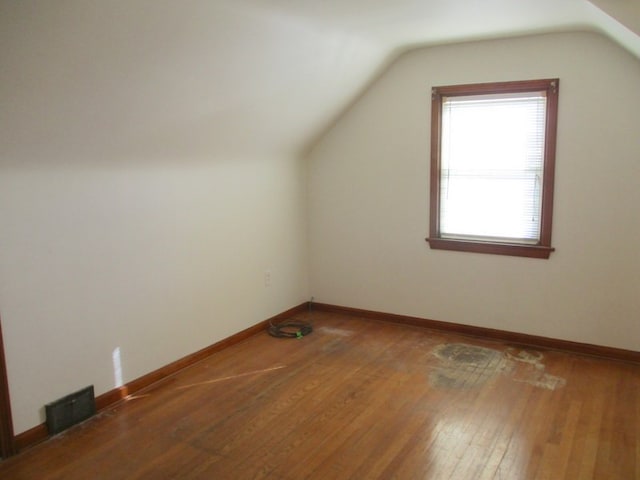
(7, 445)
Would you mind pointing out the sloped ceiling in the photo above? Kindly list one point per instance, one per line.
(203, 78)
(627, 12)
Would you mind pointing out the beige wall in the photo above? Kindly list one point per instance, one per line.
(369, 179)
(140, 202)
(158, 261)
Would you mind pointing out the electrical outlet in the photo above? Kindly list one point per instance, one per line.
(267, 278)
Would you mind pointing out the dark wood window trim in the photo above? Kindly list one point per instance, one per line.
(543, 248)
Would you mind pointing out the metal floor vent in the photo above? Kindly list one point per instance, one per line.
(69, 410)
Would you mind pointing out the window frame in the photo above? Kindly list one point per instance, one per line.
(543, 248)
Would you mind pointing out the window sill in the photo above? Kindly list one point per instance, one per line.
(512, 249)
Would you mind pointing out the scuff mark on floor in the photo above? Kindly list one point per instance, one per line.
(341, 332)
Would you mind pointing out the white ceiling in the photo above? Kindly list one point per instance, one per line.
(402, 23)
(204, 78)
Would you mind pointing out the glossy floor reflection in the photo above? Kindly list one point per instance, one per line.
(359, 399)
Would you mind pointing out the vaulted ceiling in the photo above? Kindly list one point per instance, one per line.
(203, 78)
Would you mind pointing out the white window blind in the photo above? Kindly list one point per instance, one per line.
(492, 158)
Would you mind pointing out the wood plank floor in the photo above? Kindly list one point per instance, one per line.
(359, 399)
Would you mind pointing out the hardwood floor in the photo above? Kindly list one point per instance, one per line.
(360, 399)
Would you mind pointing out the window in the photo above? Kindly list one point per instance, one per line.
(492, 167)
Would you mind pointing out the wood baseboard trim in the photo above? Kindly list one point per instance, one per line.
(31, 437)
(524, 339)
(40, 433)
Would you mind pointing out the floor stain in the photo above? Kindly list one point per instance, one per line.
(532, 371)
(467, 366)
